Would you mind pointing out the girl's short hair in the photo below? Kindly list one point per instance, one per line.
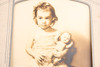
(44, 5)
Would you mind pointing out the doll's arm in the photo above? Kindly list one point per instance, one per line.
(69, 45)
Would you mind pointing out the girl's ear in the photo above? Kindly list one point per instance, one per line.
(52, 23)
(53, 19)
(35, 20)
(59, 38)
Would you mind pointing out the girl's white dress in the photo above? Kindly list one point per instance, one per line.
(44, 44)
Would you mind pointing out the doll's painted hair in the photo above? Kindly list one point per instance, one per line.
(44, 5)
(59, 36)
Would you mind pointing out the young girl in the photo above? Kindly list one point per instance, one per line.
(64, 42)
(43, 43)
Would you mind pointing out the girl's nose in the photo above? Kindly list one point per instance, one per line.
(44, 21)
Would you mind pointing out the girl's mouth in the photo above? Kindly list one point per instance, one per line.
(44, 25)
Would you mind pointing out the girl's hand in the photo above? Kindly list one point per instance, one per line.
(41, 59)
(60, 54)
(56, 61)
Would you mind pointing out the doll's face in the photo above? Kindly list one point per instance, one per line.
(65, 37)
(44, 18)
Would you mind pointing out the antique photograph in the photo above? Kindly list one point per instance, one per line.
(51, 33)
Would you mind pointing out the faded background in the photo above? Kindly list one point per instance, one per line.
(4, 27)
(73, 17)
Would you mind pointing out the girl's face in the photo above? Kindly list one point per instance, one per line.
(65, 37)
(44, 18)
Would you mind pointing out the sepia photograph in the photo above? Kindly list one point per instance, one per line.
(51, 33)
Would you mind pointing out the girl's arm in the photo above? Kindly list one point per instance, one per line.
(69, 45)
(60, 54)
(29, 46)
(40, 58)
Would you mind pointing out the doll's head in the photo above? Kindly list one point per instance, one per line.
(44, 15)
(64, 37)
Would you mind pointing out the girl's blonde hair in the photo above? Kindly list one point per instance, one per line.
(44, 5)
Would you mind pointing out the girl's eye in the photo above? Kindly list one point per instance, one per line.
(47, 17)
(40, 17)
